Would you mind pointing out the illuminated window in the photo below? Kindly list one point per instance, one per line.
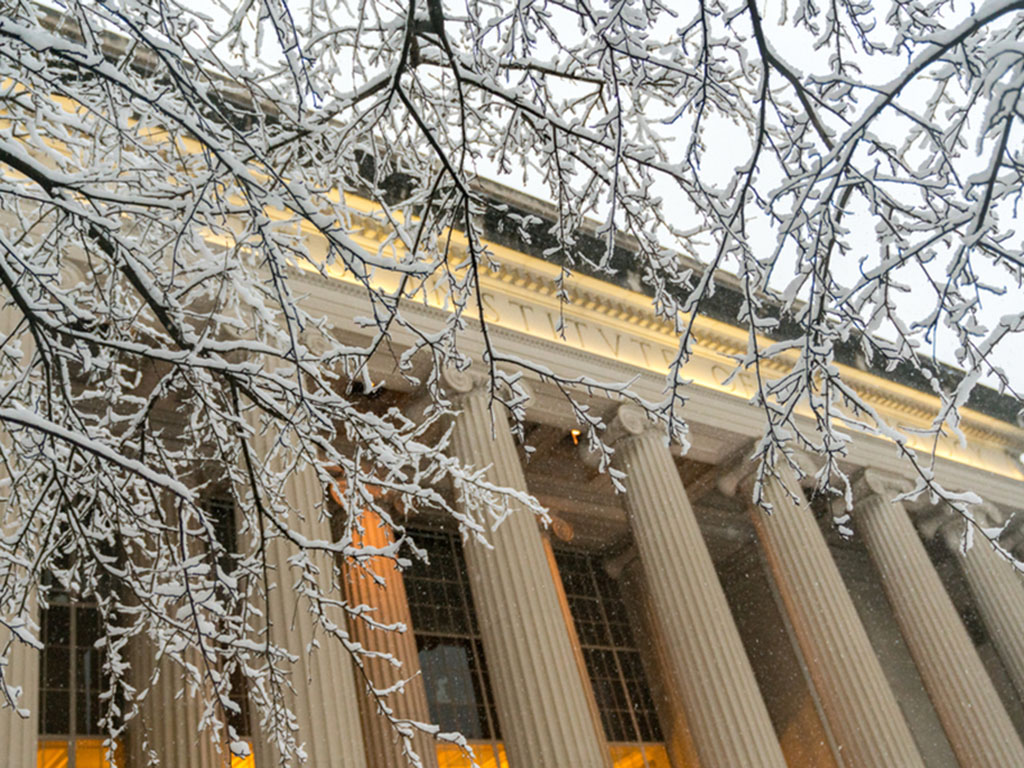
(71, 680)
(610, 651)
(450, 652)
(455, 671)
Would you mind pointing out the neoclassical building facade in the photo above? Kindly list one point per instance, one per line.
(672, 626)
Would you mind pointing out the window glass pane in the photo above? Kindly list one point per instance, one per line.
(451, 657)
(633, 756)
(91, 753)
(244, 762)
(57, 625)
(71, 672)
(239, 720)
(609, 650)
(487, 755)
(88, 669)
(56, 667)
(89, 710)
(52, 754)
(452, 693)
(87, 626)
(55, 715)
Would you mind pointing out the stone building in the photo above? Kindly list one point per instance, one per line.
(671, 626)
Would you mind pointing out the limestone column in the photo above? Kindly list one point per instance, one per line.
(19, 732)
(387, 598)
(862, 712)
(682, 753)
(997, 589)
(167, 731)
(570, 623)
(977, 725)
(727, 718)
(542, 706)
(325, 696)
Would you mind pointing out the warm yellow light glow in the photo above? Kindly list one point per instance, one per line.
(487, 755)
(52, 754)
(575, 436)
(635, 756)
(89, 753)
(623, 756)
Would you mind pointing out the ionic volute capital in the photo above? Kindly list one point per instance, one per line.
(871, 482)
(617, 564)
(458, 383)
(461, 381)
(423, 404)
(954, 526)
(630, 421)
(1013, 539)
(739, 472)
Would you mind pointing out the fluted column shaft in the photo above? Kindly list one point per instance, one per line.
(977, 725)
(727, 718)
(167, 733)
(682, 753)
(862, 712)
(998, 592)
(574, 640)
(325, 695)
(384, 749)
(545, 719)
(19, 735)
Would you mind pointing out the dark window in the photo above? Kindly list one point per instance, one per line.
(221, 511)
(609, 649)
(451, 655)
(71, 669)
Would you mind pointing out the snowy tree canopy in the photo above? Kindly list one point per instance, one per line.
(164, 168)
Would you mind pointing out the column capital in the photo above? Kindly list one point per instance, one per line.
(740, 470)
(736, 471)
(461, 381)
(872, 481)
(630, 420)
(456, 387)
(616, 565)
(986, 515)
(1013, 539)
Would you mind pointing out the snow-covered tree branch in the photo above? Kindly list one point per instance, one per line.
(853, 170)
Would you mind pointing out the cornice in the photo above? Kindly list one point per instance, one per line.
(622, 306)
(526, 285)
